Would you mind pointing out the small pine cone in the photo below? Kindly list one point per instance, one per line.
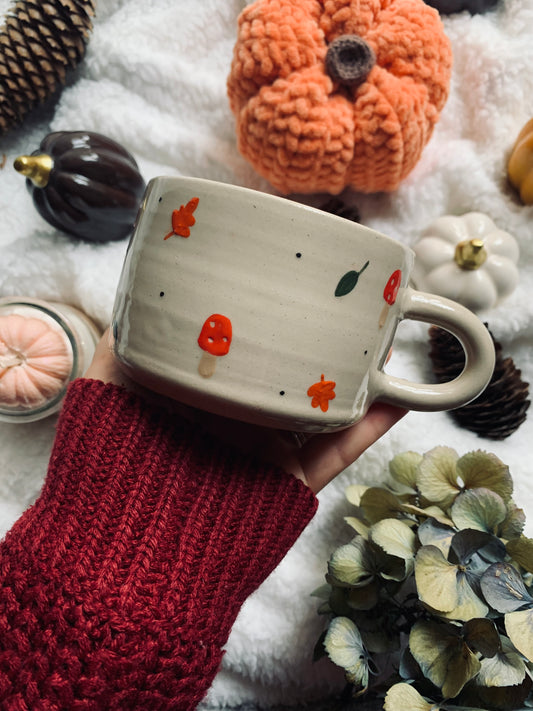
(501, 408)
(336, 206)
(39, 42)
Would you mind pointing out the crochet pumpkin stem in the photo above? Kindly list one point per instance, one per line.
(349, 60)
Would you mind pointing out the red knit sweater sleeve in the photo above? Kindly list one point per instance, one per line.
(119, 586)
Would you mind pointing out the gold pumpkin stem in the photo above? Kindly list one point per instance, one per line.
(470, 254)
(36, 168)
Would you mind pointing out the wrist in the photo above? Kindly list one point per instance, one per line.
(132, 489)
(129, 570)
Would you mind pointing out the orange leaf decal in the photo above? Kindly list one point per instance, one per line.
(183, 219)
(322, 392)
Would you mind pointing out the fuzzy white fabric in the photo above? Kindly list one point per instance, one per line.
(154, 79)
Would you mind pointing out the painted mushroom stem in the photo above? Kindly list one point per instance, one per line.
(214, 340)
(390, 292)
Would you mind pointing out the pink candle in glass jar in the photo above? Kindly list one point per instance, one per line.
(43, 346)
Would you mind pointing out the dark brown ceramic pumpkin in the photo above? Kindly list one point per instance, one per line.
(474, 7)
(85, 184)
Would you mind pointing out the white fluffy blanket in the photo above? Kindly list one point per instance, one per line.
(154, 79)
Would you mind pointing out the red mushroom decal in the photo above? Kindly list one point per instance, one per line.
(389, 294)
(214, 340)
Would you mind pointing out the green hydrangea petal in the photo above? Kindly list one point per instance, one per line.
(507, 668)
(394, 537)
(483, 469)
(480, 509)
(404, 697)
(521, 550)
(378, 503)
(345, 648)
(404, 469)
(519, 627)
(434, 533)
(443, 656)
(504, 589)
(436, 579)
(352, 565)
(354, 492)
(437, 476)
(469, 605)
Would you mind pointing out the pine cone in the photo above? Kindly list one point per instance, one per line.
(501, 408)
(336, 206)
(39, 42)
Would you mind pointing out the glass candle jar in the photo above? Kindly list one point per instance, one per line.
(43, 346)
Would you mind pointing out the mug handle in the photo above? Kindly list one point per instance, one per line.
(477, 345)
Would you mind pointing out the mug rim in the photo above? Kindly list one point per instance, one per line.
(269, 197)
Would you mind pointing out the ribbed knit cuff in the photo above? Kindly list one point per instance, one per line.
(122, 582)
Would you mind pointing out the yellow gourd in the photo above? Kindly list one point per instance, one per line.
(520, 165)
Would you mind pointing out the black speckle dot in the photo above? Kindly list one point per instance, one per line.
(161, 293)
(282, 392)
(298, 255)
(366, 353)
(160, 199)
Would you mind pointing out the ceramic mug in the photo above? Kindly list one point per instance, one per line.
(265, 310)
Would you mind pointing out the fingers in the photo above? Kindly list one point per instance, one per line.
(325, 456)
(103, 365)
(316, 459)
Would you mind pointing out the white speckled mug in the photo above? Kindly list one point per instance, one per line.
(268, 311)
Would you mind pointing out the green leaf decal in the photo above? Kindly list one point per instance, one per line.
(349, 281)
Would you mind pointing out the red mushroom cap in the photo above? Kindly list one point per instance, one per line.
(391, 288)
(215, 336)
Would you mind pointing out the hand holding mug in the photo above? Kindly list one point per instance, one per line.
(315, 459)
(264, 310)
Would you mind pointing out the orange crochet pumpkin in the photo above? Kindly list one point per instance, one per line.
(336, 93)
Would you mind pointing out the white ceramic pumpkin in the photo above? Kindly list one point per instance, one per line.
(468, 259)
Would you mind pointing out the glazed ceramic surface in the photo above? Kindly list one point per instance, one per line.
(269, 311)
